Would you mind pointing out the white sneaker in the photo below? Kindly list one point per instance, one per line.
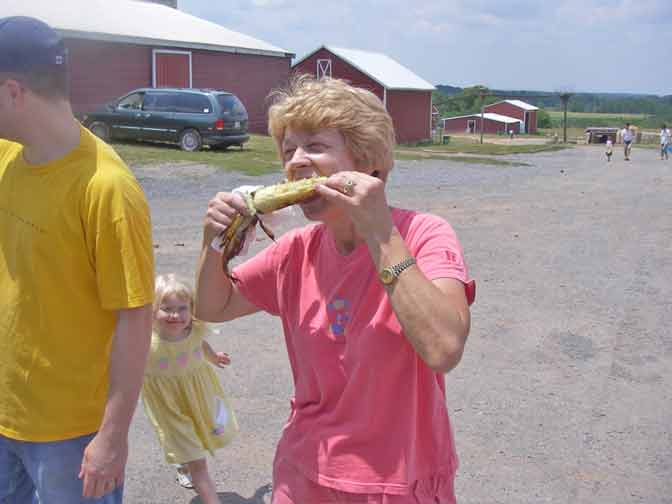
(183, 479)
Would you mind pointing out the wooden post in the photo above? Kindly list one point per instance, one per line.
(482, 114)
(565, 100)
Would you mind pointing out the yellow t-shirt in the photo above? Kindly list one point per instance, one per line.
(75, 246)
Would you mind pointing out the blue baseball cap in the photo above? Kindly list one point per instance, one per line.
(27, 43)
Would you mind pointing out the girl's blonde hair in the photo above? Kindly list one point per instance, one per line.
(309, 104)
(168, 284)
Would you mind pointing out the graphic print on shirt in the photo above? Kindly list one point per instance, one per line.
(182, 359)
(221, 418)
(338, 312)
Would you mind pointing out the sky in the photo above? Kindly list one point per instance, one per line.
(622, 46)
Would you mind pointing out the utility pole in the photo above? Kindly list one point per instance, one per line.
(482, 94)
(565, 100)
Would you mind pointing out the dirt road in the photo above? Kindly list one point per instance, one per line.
(564, 394)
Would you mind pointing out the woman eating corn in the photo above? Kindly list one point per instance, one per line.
(374, 303)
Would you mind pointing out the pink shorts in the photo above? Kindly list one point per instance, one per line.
(292, 487)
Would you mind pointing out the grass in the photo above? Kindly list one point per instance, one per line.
(654, 146)
(558, 114)
(257, 158)
(259, 155)
(572, 133)
(484, 149)
(600, 119)
(415, 156)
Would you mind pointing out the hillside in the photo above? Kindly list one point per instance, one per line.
(653, 109)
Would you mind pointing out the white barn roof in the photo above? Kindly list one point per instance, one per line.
(381, 68)
(489, 116)
(133, 22)
(518, 103)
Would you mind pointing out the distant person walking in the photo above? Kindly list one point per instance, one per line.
(664, 142)
(628, 136)
(610, 149)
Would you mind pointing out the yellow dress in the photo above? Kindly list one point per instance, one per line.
(184, 399)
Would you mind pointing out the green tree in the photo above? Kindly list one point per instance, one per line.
(543, 119)
(468, 101)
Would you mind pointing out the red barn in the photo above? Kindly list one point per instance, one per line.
(492, 124)
(117, 46)
(408, 98)
(525, 112)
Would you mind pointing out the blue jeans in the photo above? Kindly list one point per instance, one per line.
(45, 473)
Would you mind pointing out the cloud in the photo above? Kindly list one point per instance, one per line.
(607, 45)
(269, 3)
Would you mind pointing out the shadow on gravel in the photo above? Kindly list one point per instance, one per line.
(234, 498)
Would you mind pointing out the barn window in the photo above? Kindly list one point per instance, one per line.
(323, 68)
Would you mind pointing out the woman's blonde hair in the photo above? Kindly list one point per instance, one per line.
(309, 104)
(168, 284)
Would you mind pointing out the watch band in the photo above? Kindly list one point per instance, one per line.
(391, 273)
(398, 268)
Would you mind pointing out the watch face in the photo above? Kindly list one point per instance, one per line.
(386, 276)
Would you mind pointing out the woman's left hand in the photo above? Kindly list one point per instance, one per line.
(363, 197)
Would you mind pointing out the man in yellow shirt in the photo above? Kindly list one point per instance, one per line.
(76, 285)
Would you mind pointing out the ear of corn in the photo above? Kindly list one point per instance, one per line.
(264, 200)
(271, 198)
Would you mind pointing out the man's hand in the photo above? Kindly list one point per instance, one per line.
(105, 457)
(103, 465)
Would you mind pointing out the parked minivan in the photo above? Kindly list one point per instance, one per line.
(189, 117)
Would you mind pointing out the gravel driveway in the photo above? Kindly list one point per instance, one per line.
(564, 392)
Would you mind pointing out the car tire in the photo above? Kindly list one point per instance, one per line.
(190, 140)
(101, 130)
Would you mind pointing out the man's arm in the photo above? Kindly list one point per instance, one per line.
(105, 457)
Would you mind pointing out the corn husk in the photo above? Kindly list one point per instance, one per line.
(264, 200)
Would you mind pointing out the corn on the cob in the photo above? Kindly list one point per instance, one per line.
(264, 200)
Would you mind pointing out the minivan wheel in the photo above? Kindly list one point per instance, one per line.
(190, 140)
(101, 130)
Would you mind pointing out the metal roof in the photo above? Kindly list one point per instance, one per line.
(488, 115)
(517, 103)
(381, 68)
(132, 22)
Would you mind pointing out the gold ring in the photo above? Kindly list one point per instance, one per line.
(349, 187)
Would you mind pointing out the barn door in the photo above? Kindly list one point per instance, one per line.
(172, 69)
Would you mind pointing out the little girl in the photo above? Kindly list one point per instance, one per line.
(181, 393)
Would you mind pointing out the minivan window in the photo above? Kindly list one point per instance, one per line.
(231, 104)
(193, 103)
(160, 102)
(131, 102)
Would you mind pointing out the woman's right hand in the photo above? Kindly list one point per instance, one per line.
(221, 211)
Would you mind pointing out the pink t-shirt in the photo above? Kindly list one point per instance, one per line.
(368, 415)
